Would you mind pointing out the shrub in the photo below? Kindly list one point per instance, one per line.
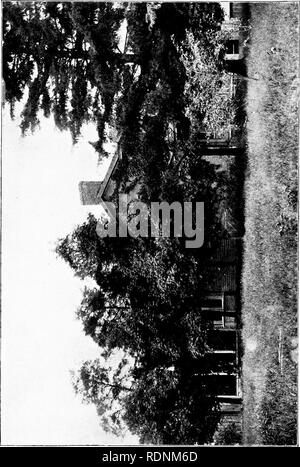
(227, 434)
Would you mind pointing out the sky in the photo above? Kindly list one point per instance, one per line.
(41, 338)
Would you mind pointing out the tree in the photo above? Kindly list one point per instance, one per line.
(209, 102)
(142, 285)
(65, 53)
(96, 384)
(145, 305)
(154, 104)
(166, 409)
(159, 406)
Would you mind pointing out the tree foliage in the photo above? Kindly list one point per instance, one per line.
(106, 389)
(65, 53)
(145, 304)
(209, 104)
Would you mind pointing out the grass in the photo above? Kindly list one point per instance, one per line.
(269, 277)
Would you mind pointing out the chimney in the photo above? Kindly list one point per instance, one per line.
(90, 192)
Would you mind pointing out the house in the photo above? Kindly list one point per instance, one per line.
(234, 12)
(93, 192)
(221, 306)
(235, 29)
(220, 303)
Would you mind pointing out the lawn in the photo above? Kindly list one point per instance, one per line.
(269, 278)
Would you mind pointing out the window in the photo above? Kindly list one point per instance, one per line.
(220, 309)
(220, 340)
(221, 362)
(212, 308)
(232, 47)
(222, 384)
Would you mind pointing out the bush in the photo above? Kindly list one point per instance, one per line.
(227, 434)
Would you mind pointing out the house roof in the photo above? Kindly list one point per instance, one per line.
(93, 192)
(110, 171)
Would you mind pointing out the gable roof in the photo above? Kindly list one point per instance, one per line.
(93, 192)
(110, 171)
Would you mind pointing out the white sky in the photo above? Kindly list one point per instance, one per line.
(41, 339)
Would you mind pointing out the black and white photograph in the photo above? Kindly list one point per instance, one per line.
(149, 240)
